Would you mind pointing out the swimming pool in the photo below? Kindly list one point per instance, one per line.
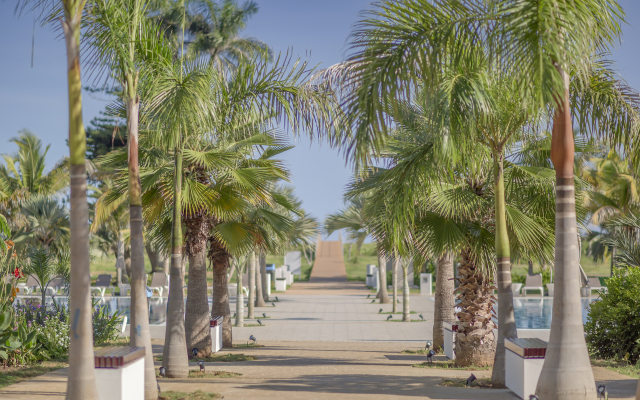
(537, 313)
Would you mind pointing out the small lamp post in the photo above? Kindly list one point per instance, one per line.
(471, 379)
(163, 372)
(201, 364)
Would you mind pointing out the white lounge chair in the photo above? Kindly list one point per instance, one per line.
(594, 284)
(533, 282)
(159, 282)
(30, 286)
(102, 284)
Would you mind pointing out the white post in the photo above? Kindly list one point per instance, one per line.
(425, 284)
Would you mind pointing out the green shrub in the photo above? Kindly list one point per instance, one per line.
(613, 323)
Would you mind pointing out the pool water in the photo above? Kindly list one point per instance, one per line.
(537, 313)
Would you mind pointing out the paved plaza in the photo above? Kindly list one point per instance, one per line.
(326, 339)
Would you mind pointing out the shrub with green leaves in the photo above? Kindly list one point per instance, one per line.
(613, 323)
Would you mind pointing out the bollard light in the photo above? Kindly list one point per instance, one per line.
(277, 298)
(379, 311)
(421, 317)
(253, 338)
(471, 379)
(430, 355)
(201, 364)
(389, 317)
(273, 304)
(264, 314)
(260, 322)
(373, 301)
(602, 392)
(369, 295)
(428, 345)
(163, 372)
(195, 352)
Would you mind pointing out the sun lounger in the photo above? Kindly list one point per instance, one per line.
(159, 282)
(30, 286)
(102, 284)
(594, 284)
(533, 282)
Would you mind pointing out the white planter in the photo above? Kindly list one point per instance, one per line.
(281, 285)
(515, 287)
(449, 331)
(124, 382)
(268, 284)
(425, 284)
(522, 370)
(550, 289)
(216, 335)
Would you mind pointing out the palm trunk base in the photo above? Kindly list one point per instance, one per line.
(444, 299)
(174, 356)
(471, 351)
(197, 326)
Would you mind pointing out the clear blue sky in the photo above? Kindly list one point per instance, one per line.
(36, 98)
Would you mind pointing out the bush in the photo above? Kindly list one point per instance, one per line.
(613, 326)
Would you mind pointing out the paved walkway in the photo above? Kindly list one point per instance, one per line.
(321, 370)
(329, 263)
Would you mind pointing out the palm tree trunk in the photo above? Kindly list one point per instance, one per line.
(197, 326)
(174, 357)
(239, 299)
(506, 317)
(406, 316)
(141, 336)
(252, 284)
(444, 298)
(219, 259)
(259, 297)
(394, 278)
(475, 341)
(566, 372)
(263, 272)
(154, 258)
(81, 384)
(382, 278)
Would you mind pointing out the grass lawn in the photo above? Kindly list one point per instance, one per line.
(591, 268)
(197, 395)
(484, 383)
(621, 367)
(449, 364)
(11, 375)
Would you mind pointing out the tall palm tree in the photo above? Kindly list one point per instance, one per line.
(212, 30)
(24, 175)
(48, 225)
(122, 39)
(400, 43)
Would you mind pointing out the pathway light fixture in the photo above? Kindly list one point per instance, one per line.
(373, 301)
(369, 295)
(428, 345)
(421, 317)
(602, 392)
(277, 298)
(201, 364)
(253, 339)
(533, 397)
(471, 379)
(260, 322)
(389, 317)
(273, 304)
(264, 314)
(195, 352)
(379, 311)
(430, 355)
(163, 372)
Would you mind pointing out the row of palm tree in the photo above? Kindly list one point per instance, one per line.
(490, 73)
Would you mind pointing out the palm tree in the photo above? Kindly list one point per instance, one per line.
(402, 43)
(48, 225)
(212, 30)
(46, 266)
(81, 383)
(24, 176)
(121, 38)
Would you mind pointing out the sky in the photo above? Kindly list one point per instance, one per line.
(35, 98)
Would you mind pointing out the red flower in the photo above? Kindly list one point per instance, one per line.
(18, 273)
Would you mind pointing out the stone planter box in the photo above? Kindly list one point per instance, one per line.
(120, 373)
(524, 359)
(281, 285)
(450, 331)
